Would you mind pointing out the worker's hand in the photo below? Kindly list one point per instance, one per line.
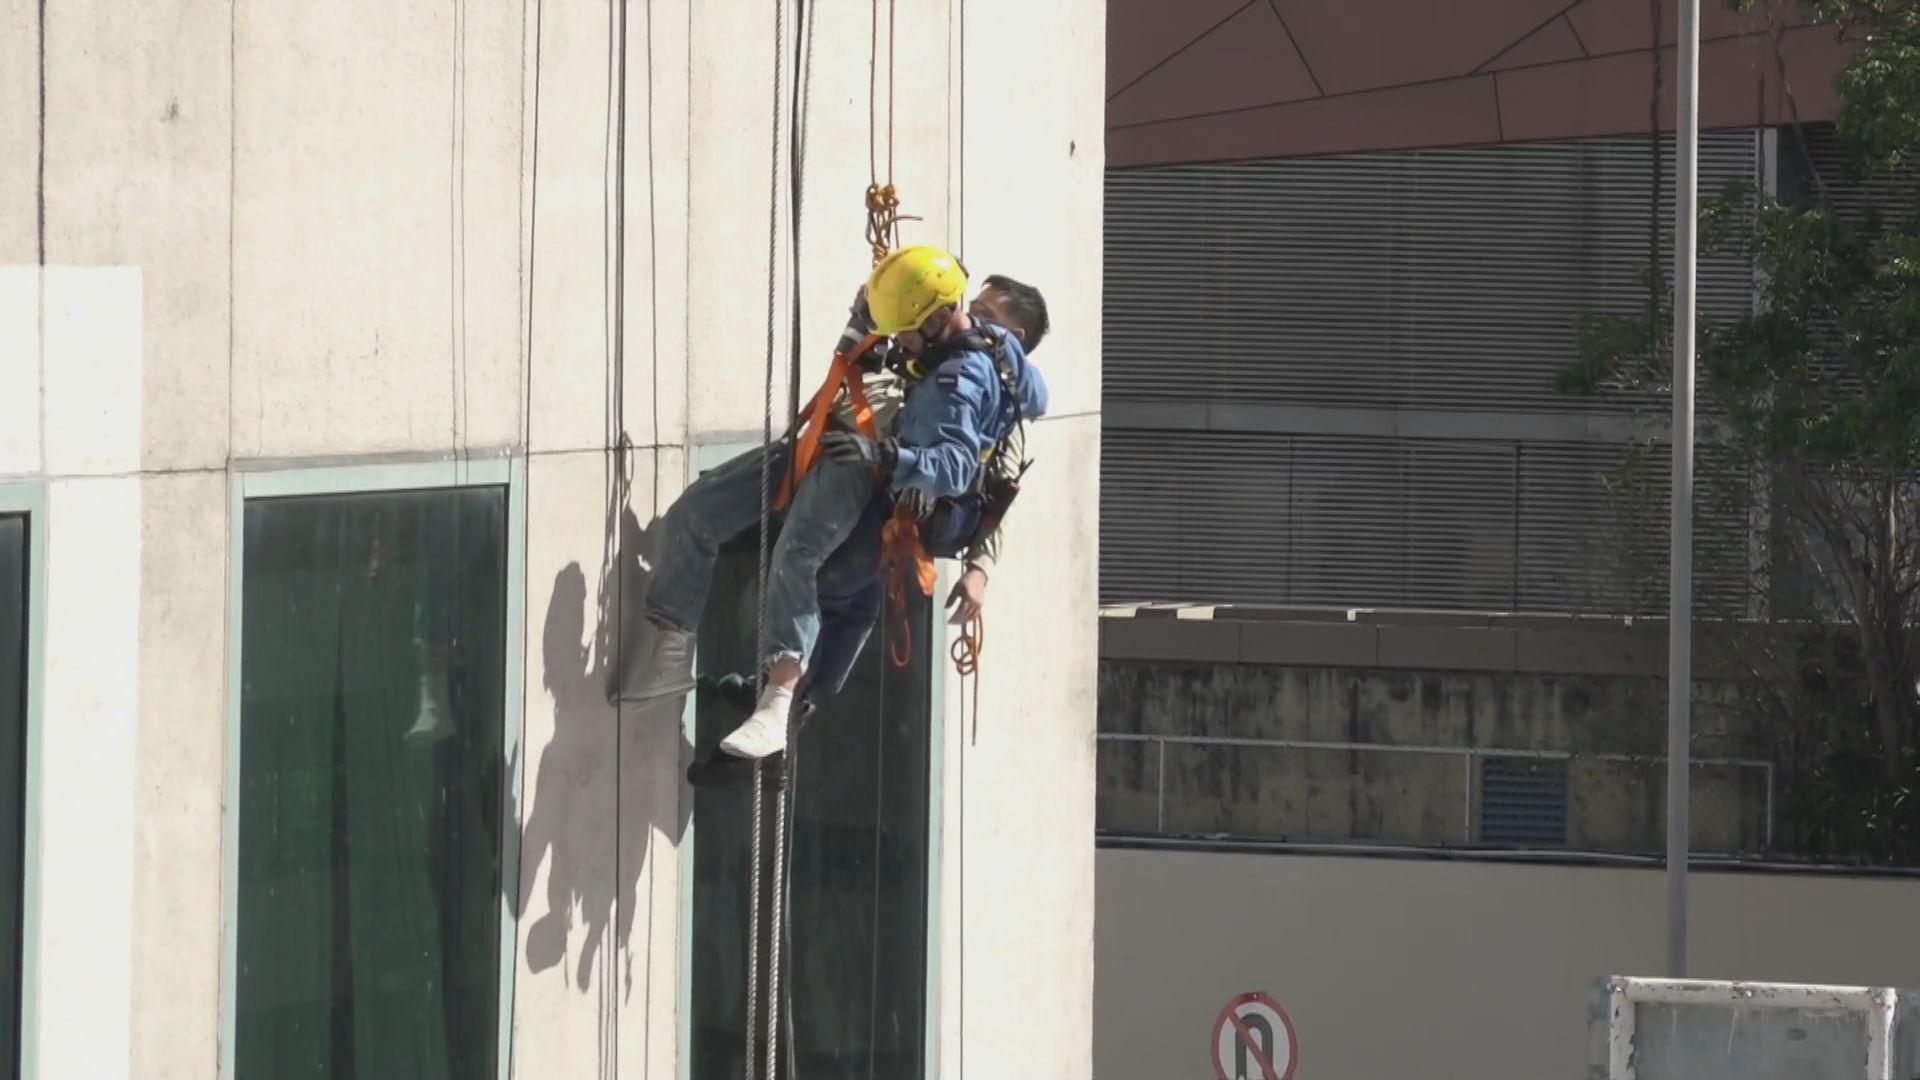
(853, 448)
(969, 596)
(861, 320)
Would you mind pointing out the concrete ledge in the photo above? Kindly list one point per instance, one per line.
(1592, 652)
(1313, 644)
(1170, 639)
(1433, 641)
(1447, 648)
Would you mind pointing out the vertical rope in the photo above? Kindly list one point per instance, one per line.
(780, 1005)
(773, 944)
(753, 927)
(530, 206)
(792, 795)
(766, 533)
(879, 816)
(891, 21)
(963, 743)
(883, 200)
(619, 443)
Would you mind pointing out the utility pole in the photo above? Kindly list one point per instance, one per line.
(1680, 583)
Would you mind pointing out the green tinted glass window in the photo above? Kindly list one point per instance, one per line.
(371, 720)
(856, 955)
(14, 557)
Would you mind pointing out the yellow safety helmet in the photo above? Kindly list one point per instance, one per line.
(910, 285)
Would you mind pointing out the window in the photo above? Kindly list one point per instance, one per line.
(14, 590)
(856, 958)
(372, 730)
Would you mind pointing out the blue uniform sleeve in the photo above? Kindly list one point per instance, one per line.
(945, 427)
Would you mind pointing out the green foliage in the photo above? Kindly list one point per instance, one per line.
(1830, 364)
(1880, 123)
(1819, 388)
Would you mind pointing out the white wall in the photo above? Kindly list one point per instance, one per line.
(1446, 970)
(318, 232)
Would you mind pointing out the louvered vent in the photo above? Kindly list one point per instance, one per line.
(1426, 280)
(1446, 281)
(1850, 196)
(1523, 802)
(1815, 169)
(1227, 518)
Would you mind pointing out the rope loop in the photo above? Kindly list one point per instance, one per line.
(968, 647)
(883, 220)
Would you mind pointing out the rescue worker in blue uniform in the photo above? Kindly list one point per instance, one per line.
(973, 389)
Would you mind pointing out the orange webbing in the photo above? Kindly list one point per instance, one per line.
(818, 418)
(901, 541)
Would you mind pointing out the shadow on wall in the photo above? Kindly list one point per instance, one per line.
(593, 794)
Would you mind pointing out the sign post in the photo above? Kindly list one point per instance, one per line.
(1680, 577)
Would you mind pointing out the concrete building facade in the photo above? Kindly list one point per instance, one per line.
(300, 305)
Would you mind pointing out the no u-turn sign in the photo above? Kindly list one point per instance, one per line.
(1254, 1040)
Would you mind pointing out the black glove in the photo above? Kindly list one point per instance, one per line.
(861, 318)
(859, 322)
(853, 448)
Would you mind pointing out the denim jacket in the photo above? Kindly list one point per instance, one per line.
(954, 416)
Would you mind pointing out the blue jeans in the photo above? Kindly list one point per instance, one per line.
(851, 596)
(725, 502)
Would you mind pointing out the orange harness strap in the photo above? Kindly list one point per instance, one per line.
(817, 417)
(904, 555)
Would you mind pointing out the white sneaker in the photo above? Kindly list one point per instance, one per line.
(435, 718)
(765, 732)
(661, 664)
(430, 726)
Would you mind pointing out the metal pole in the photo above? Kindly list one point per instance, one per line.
(1680, 596)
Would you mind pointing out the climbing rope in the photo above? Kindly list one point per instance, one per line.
(766, 562)
(780, 894)
(799, 104)
(883, 200)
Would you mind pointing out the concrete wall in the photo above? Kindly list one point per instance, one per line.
(351, 230)
(1451, 970)
(1305, 724)
(1337, 753)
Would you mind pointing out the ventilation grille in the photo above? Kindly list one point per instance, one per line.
(1851, 197)
(1853, 200)
(1428, 280)
(1271, 518)
(1523, 802)
(1445, 281)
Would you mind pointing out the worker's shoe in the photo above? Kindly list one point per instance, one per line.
(765, 732)
(434, 721)
(659, 665)
(735, 691)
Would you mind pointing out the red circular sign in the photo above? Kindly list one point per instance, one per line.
(1254, 1040)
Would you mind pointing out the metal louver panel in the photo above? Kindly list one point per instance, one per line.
(1853, 200)
(1273, 518)
(1523, 801)
(1267, 322)
(1402, 522)
(1431, 279)
(1596, 523)
(1851, 197)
